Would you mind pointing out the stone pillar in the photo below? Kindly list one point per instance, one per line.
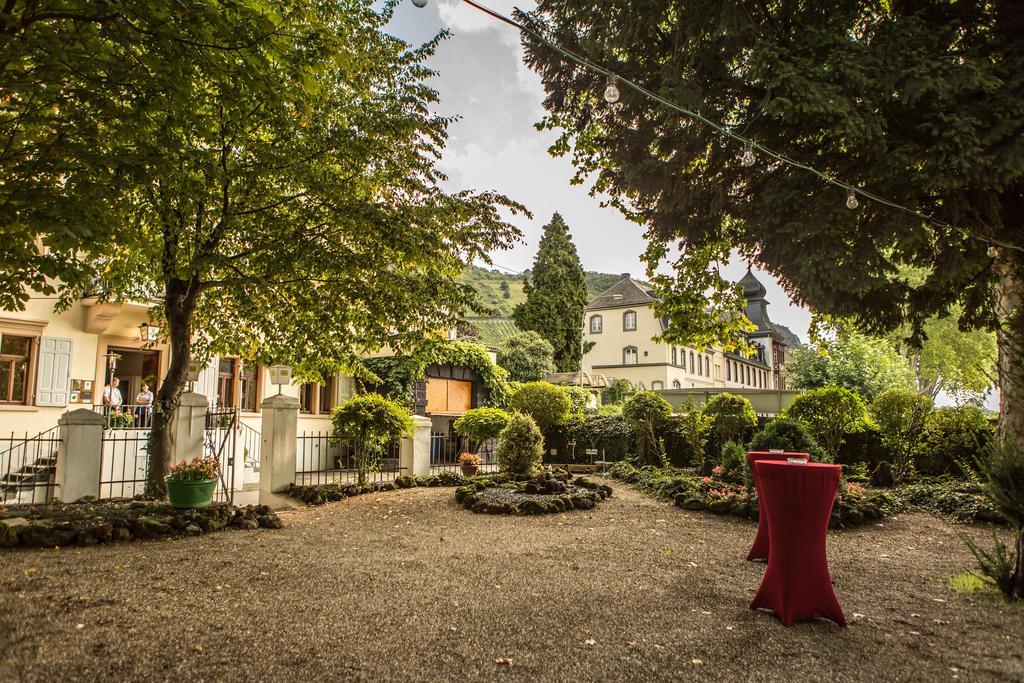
(414, 458)
(188, 428)
(277, 449)
(79, 455)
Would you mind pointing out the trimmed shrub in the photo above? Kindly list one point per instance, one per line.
(370, 421)
(481, 424)
(580, 401)
(686, 436)
(732, 416)
(734, 461)
(862, 444)
(788, 435)
(828, 413)
(954, 438)
(901, 416)
(522, 445)
(616, 391)
(646, 411)
(612, 435)
(546, 403)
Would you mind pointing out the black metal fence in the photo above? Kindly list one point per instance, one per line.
(446, 448)
(124, 462)
(323, 459)
(27, 467)
(221, 443)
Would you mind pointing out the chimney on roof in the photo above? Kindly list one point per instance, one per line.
(625, 276)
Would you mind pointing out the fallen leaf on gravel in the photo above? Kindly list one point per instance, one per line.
(693, 564)
(79, 627)
(590, 641)
(631, 643)
(915, 633)
(705, 612)
(938, 600)
(31, 570)
(728, 628)
(503, 660)
(697, 662)
(197, 648)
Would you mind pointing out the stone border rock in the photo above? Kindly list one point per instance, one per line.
(85, 524)
(544, 494)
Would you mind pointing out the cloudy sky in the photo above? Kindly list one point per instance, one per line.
(494, 145)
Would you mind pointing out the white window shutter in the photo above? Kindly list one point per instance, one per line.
(53, 374)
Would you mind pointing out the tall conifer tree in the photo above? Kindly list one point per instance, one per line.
(556, 295)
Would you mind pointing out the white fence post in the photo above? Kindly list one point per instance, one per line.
(79, 455)
(414, 456)
(188, 428)
(277, 448)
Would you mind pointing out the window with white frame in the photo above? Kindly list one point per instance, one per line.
(629, 321)
(676, 384)
(630, 356)
(596, 323)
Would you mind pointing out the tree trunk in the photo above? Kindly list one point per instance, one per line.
(1010, 339)
(179, 306)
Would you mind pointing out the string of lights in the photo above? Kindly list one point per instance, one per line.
(748, 158)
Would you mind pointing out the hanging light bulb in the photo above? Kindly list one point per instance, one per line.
(748, 155)
(611, 91)
(420, 3)
(992, 251)
(851, 199)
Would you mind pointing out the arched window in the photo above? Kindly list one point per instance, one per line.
(629, 321)
(728, 369)
(675, 356)
(676, 384)
(693, 368)
(707, 366)
(595, 324)
(748, 374)
(657, 385)
(630, 356)
(640, 386)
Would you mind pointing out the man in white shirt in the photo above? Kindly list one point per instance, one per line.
(112, 395)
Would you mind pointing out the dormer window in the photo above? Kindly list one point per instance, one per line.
(596, 323)
(629, 321)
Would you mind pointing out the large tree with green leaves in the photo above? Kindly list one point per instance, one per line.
(556, 296)
(918, 102)
(270, 184)
(848, 358)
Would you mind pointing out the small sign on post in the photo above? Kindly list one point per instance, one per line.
(280, 375)
(591, 451)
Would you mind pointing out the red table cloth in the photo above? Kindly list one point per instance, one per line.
(759, 551)
(798, 500)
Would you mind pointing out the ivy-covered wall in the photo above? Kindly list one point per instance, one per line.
(403, 378)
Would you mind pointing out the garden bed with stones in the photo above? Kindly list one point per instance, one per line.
(543, 494)
(318, 494)
(85, 524)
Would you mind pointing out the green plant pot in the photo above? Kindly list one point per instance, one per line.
(190, 493)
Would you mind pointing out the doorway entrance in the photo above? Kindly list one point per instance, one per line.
(133, 367)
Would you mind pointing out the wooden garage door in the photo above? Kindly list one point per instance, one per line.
(449, 396)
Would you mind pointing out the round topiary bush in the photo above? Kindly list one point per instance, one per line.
(546, 403)
(788, 435)
(828, 413)
(522, 445)
(732, 416)
(954, 438)
(481, 424)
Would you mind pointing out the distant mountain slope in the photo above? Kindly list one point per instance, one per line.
(502, 291)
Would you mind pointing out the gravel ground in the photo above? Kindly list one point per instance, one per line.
(407, 586)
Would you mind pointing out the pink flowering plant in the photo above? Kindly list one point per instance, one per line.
(196, 469)
(469, 459)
